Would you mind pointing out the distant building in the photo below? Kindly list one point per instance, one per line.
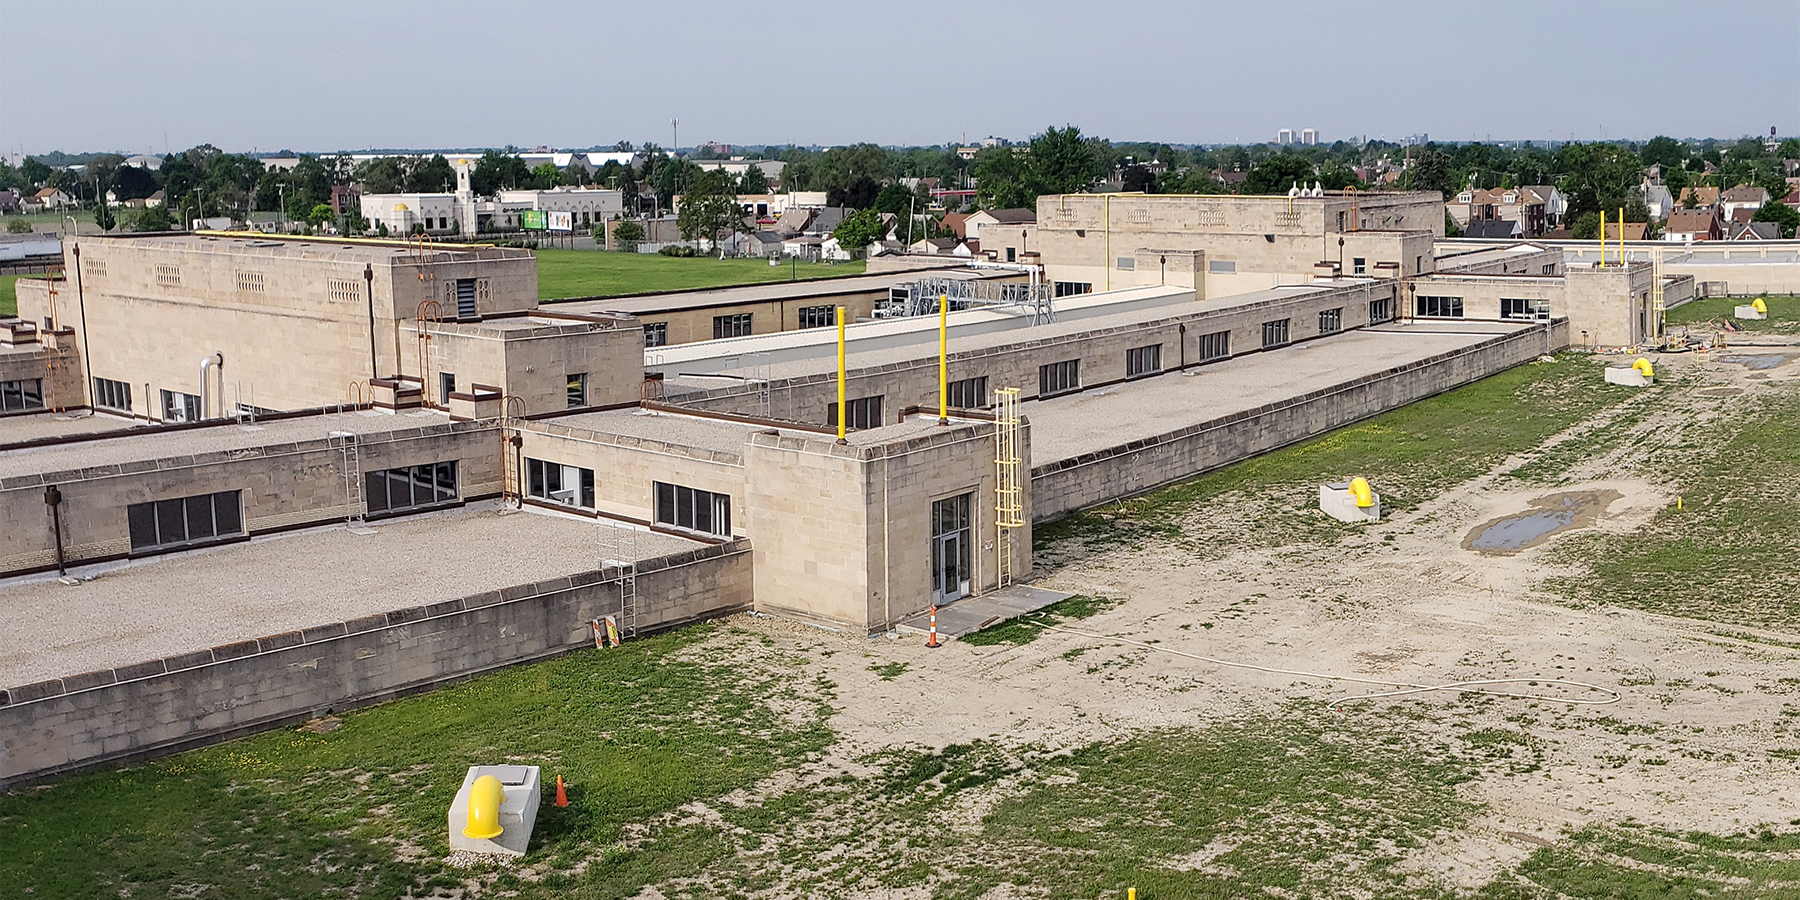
(1284, 137)
(1308, 137)
(1743, 197)
(1686, 225)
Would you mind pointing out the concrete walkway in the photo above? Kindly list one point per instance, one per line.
(971, 614)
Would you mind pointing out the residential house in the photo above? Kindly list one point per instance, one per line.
(1657, 199)
(805, 246)
(1743, 197)
(941, 247)
(345, 199)
(1755, 231)
(762, 244)
(1007, 218)
(1686, 225)
(1701, 195)
(155, 200)
(958, 223)
(51, 199)
(1523, 205)
(9, 200)
(1556, 206)
(1636, 231)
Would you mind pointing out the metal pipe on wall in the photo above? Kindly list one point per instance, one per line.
(841, 414)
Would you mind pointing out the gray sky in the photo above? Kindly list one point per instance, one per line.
(145, 76)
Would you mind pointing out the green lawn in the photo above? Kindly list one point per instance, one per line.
(590, 273)
(9, 295)
(1784, 314)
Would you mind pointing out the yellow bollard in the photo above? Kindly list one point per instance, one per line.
(1678, 504)
(1131, 894)
(484, 808)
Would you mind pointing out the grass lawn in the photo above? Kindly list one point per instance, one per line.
(9, 295)
(590, 273)
(1784, 314)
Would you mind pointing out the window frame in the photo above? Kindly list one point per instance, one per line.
(21, 395)
(1142, 362)
(1442, 307)
(733, 322)
(959, 392)
(225, 514)
(1331, 321)
(577, 389)
(189, 405)
(1278, 328)
(431, 474)
(660, 330)
(1215, 346)
(817, 316)
(1060, 377)
(1381, 309)
(1529, 310)
(688, 509)
(864, 413)
(108, 389)
(540, 473)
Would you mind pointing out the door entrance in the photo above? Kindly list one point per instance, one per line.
(951, 562)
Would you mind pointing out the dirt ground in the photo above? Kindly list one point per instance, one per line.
(1683, 748)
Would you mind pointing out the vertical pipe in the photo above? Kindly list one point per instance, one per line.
(841, 416)
(53, 499)
(1107, 261)
(1622, 259)
(1603, 239)
(943, 359)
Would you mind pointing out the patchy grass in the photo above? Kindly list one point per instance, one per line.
(359, 811)
(1409, 455)
(1026, 628)
(592, 273)
(1636, 863)
(889, 671)
(1784, 314)
(1728, 554)
(9, 295)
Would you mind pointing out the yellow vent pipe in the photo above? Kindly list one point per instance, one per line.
(1644, 368)
(1760, 306)
(1359, 488)
(484, 808)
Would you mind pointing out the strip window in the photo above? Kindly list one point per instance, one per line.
(1438, 307)
(26, 393)
(1059, 378)
(692, 509)
(1141, 361)
(1275, 333)
(1381, 310)
(1536, 310)
(968, 393)
(410, 487)
(1331, 321)
(577, 390)
(179, 407)
(110, 394)
(737, 325)
(559, 484)
(865, 412)
(818, 316)
(656, 334)
(186, 521)
(1071, 288)
(1215, 346)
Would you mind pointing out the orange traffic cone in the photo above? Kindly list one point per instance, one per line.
(933, 642)
(562, 796)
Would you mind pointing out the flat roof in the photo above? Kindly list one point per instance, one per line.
(1069, 426)
(345, 249)
(726, 436)
(762, 293)
(197, 599)
(154, 442)
(14, 429)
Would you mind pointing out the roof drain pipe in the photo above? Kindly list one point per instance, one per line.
(216, 362)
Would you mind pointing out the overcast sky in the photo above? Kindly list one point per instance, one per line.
(322, 76)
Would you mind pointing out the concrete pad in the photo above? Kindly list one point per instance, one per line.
(971, 614)
(518, 811)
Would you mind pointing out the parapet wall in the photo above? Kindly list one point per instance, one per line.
(1066, 486)
(166, 705)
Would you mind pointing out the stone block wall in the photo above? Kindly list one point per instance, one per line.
(162, 706)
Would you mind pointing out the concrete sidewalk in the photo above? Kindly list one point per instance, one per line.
(971, 614)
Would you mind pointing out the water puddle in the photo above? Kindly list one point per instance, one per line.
(1756, 362)
(1549, 516)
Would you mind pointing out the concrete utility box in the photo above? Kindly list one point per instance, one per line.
(1748, 312)
(518, 811)
(1628, 376)
(1340, 502)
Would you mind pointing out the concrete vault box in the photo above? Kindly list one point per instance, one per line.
(1628, 376)
(518, 811)
(1339, 502)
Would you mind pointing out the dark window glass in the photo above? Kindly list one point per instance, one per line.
(577, 390)
(737, 325)
(1141, 361)
(656, 334)
(864, 412)
(226, 514)
(1331, 321)
(1215, 346)
(969, 393)
(1059, 377)
(141, 517)
(692, 509)
(184, 520)
(1275, 333)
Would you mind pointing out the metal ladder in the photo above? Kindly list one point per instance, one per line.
(620, 543)
(355, 509)
(1008, 500)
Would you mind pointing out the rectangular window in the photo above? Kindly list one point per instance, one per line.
(656, 334)
(1059, 378)
(188, 520)
(1127, 263)
(1331, 321)
(737, 325)
(1358, 266)
(110, 394)
(1535, 310)
(693, 509)
(26, 393)
(1438, 307)
(577, 390)
(179, 407)
(818, 316)
(560, 484)
(1340, 220)
(1012, 254)
(465, 298)
(969, 393)
(446, 387)
(1215, 346)
(1381, 310)
(865, 412)
(1141, 361)
(410, 488)
(1550, 269)
(1071, 288)
(1275, 333)
(1222, 266)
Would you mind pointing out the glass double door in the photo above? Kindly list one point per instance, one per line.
(951, 550)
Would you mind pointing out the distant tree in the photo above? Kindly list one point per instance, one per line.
(133, 183)
(1061, 161)
(152, 218)
(434, 174)
(1189, 180)
(710, 206)
(1001, 179)
(1431, 171)
(1137, 178)
(1788, 149)
(1586, 227)
(1781, 214)
(545, 176)
(860, 193)
(319, 214)
(381, 229)
(1664, 151)
(103, 214)
(33, 171)
(17, 225)
(382, 175)
(496, 171)
(894, 198)
(1336, 176)
(1451, 229)
(753, 181)
(1278, 174)
(860, 230)
(1598, 176)
(628, 234)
